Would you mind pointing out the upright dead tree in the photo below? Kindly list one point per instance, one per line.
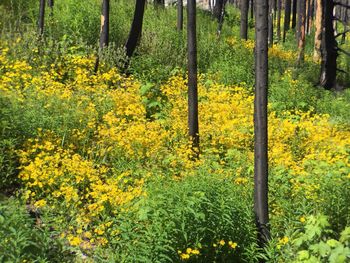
(294, 13)
(318, 31)
(180, 15)
(260, 122)
(104, 31)
(279, 11)
(136, 28)
(244, 19)
(270, 21)
(287, 13)
(192, 76)
(41, 21)
(301, 30)
(329, 47)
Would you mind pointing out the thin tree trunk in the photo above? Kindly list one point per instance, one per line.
(301, 30)
(251, 9)
(308, 7)
(41, 22)
(329, 48)
(221, 20)
(270, 22)
(136, 28)
(192, 76)
(180, 15)
(294, 14)
(104, 32)
(287, 13)
(279, 7)
(260, 122)
(244, 19)
(318, 32)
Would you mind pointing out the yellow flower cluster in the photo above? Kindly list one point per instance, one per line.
(188, 253)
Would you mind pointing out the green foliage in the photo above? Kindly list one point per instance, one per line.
(22, 240)
(313, 242)
(195, 212)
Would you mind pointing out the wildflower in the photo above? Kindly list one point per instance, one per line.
(222, 242)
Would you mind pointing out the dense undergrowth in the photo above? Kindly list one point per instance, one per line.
(103, 160)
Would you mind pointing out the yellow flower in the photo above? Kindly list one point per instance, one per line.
(302, 219)
(184, 256)
(233, 245)
(284, 240)
(222, 242)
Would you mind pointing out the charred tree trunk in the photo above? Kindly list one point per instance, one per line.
(221, 20)
(244, 19)
(294, 14)
(301, 30)
(104, 35)
(192, 76)
(318, 31)
(251, 9)
(270, 22)
(104, 31)
(41, 21)
(260, 122)
(329, 48)
(279, 10)
(180, 15)
(136, 28)
(219, 4)
(287, 13)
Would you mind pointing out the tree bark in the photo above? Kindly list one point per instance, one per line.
(279, 7)
(136, 28)
(287, 13)
(301, 30)
(318, 31)
(244, 19)
(294, 14)
(104, 32)
(260, 122)
(192, 76)
(329, 48)
(180, 16)
(50, 4)
(270, 22)
(41, 21)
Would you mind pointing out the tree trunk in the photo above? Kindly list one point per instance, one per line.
(104, 33)
(294, 14)
(318, 32)
(219, 4)
(287, 13)
(260, 122)
(180, 16)
(192, 76)
(329, 48)
(270, 22)
(251, 9)
(41, 22)
(244, 19)
(301, 30)
(279, 7)
(136, 28)
(221, 20)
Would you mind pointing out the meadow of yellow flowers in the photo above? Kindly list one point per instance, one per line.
(74, 165)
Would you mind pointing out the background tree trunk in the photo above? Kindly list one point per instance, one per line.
(136, 28)
(192, 76)
(287, 13)
(41, 21)
(294, 14)
(260, 122)
(180, 16)
(318, 31)
(301, 30)
(244, 19)
(270, 21)
(279, 7)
